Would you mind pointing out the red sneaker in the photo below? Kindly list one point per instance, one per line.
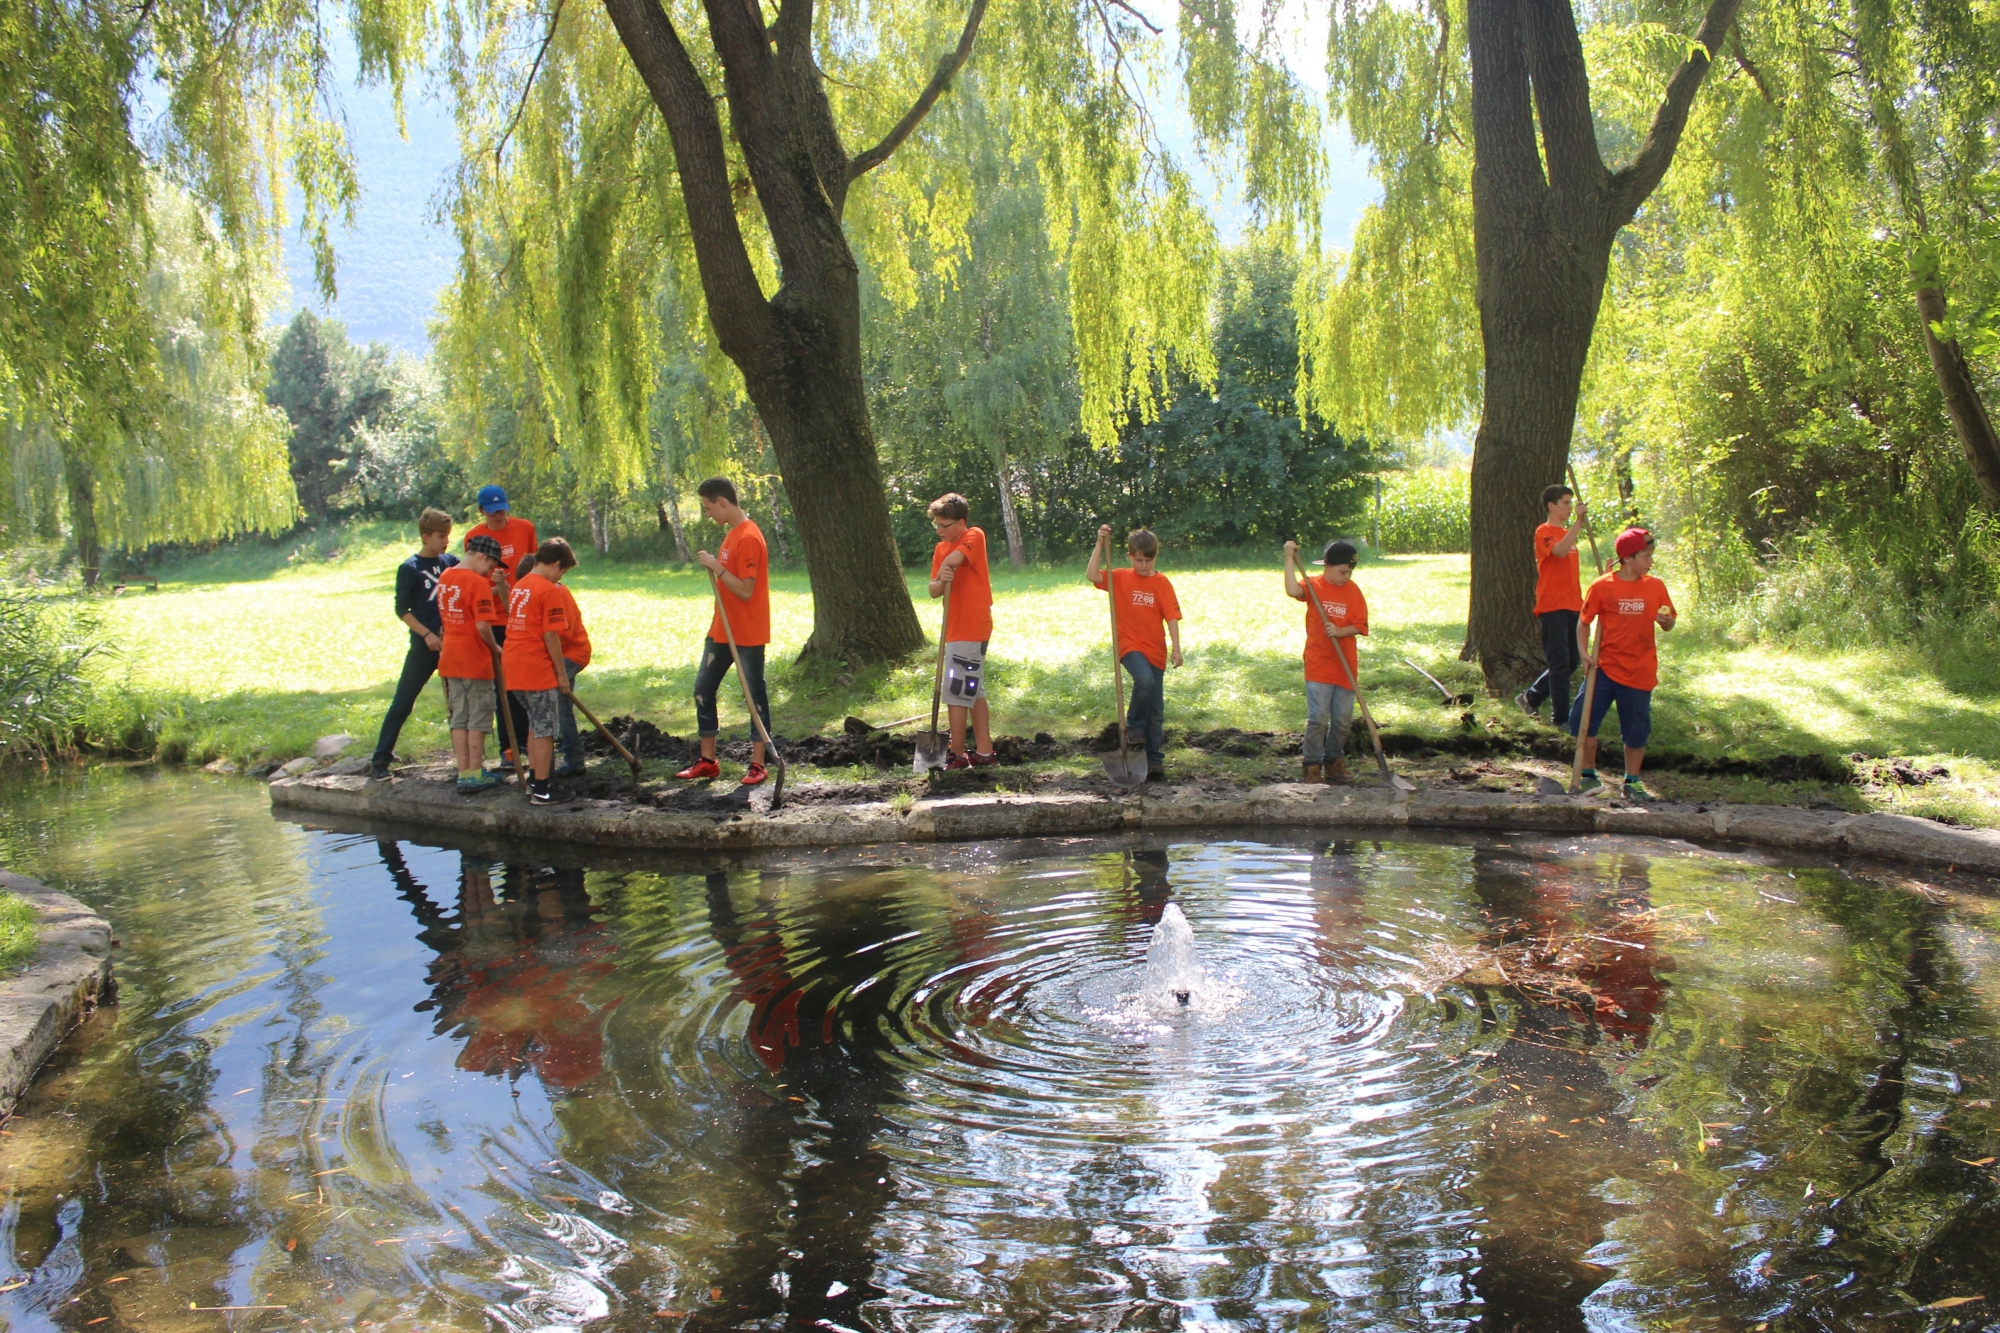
(987, 760)
(700, 768)
(753, 775)
(957, 761)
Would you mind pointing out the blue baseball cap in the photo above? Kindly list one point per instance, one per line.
(492, 498)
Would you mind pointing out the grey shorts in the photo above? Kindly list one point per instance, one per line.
(964, 673)
(540, 706)
(468, 703)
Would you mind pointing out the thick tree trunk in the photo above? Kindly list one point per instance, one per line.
(1016, 553)
(82, 484)
(1969, 416)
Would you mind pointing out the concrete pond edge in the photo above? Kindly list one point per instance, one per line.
(616, 824)
(68, 976)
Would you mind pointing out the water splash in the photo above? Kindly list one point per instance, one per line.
(1173, 973)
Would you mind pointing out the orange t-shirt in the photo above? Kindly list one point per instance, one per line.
(535, 607)
(575, 638)
(464, 600)
(1145, 605)
(1344, 606)
(516, 538)
(1628, 606)
(971, 618)
(744, 554)
(1559, 586)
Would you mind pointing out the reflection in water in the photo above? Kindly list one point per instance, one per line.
(378, 1082)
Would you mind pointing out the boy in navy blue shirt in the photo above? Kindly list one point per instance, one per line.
(416, 606)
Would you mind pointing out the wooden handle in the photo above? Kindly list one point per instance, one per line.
(1117, 670)
(1588, 530)
(756, 718)
(1589, 698)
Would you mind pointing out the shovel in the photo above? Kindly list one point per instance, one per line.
(1588, 530)
(930, 749)
(1126, 769)
(756, 718)
(507, 716)
(1397, 781)
(1450, 699)
(1549, 786)
(605, 732)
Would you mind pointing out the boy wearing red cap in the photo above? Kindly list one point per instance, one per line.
(1629, 602)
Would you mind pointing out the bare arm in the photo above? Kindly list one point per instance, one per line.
(945, 572)
(486, 635)
(1292, 588)
(422, 631)
(1575, 530)
(1098, 555)
(1174, 637)
(553, 642)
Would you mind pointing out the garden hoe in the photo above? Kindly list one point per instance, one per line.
(756, 718)
(1397, 781)
(930, 748)
(605, 732)
(1125, 768)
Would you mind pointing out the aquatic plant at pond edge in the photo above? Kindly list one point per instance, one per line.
(46, 649)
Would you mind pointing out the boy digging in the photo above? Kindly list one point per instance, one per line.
(537, 614)
(468, 613)
(516, 539)
(416, 606)
(1148, 613)
(1332, 662)
(1558, 599)
(1630, 601)
(958, 562)
(742, 566)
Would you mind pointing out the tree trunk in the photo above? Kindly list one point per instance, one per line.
(82, 484)
(670, 519)
(600, 525)
(1961, 395)
(1016, 554)
(1545, 213)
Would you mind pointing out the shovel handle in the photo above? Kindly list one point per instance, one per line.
(603, 730)
(507, 720)
(1588, 530)
(1353, 683)
(937, 677)
(1117, 670)
(756, 718)
(1589, 698)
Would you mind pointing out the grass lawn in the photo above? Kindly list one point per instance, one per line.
(254, 652)
(20, 930)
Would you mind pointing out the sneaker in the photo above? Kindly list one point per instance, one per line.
(568, 770)
(754, 776)
(987, 760)
(700, 768)
(1154, 772)
(957, 761)
(1521, 700)
(1635, 790)
(541, 793)
(1591, 786)
(480, 781)
(378, 769)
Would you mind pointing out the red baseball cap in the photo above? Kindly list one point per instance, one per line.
(1632, 541)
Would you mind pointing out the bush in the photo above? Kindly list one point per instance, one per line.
(46, 689)
(1427, 511)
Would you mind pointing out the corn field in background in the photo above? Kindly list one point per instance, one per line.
(1424, 511)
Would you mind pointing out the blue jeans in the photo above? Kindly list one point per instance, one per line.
(1329, 708)
(572, 738)
(1635, 711)
(419, 665)
(707, 680)
(1147, 717)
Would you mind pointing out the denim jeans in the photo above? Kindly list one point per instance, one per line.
(1635, 711)
(419, 665)
(571, 743)
(714, 667)
(1559, 651)
(1147, 717)
(1328, 708)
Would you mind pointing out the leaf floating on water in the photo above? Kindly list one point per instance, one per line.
(18, 1282)
(1984, 1161)
(1951, 1302)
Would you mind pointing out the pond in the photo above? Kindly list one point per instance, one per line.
(1494, 1083)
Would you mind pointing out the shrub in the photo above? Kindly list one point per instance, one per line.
(46, 689)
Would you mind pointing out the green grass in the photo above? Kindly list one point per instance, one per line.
(255, 651)
(20, 929)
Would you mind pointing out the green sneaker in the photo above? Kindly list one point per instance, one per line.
(1635, 790)
(478, 782)
(1590, 786)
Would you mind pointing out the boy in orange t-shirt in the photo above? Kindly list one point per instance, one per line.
(1558, 599)
(958, 562)
(576, 656)
(1332, 663)
(516, 539)
(742, 566)
(532, 657)
(1148, 613)
(1630, 602)
(468, 613)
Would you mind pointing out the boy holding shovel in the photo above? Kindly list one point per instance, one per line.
(516, 538)
(1148, 614)
(1630, 602)
(1332, 662)
(467, 613)
(958, 562)
(537, 614)
(742, 568)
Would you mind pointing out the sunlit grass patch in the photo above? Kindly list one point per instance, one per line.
(20, 930)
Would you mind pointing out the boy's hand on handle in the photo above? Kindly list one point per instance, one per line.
(1104, 534)
(708, 562)
(948, 568)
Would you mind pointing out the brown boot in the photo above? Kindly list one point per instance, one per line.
(1313, 773)
(1336, 773)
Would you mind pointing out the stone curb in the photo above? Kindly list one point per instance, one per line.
(70, 972)
(959, 818)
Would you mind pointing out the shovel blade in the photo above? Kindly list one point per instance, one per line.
(1549, 787)
(928, 754)
(1128, 769)
(1401, 783)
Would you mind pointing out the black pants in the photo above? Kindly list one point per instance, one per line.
(419, 665)
(504, 702)
(1559, 650)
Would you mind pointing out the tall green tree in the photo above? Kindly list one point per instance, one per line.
(329, 390)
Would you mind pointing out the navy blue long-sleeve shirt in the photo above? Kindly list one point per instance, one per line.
(416, 588)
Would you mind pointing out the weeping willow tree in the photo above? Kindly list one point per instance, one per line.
(737, 156)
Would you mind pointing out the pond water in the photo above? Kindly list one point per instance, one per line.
(1498, 1083)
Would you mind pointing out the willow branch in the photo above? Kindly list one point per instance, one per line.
(1632, 185)
(947, 68)
(534, 69)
